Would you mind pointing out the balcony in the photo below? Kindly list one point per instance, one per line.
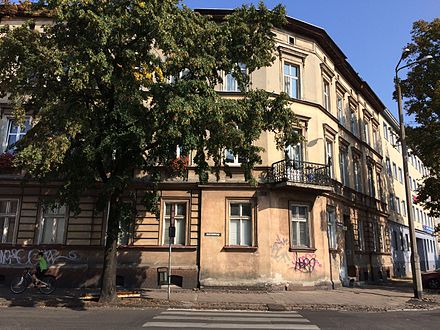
(301, 174)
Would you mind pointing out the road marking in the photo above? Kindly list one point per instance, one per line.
(232, 318)
(221, 319)
(270, 314)
(177, 325)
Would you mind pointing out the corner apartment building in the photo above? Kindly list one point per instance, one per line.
(319, 216)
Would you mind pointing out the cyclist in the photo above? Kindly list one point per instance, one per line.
(40, 268)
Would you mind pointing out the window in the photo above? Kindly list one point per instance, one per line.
(376, 141)
(361, 238)
(299, 226)
(53, 224)
(385, 131)
(407, 242)
(371, 187)
(402, 242)
(392, 206)
(16, 132)
(240, 223)
(340, 106)
(388, 165)
(178, 210)
(403, 208)
(357, 174)
(8, 217)
(353, 122)
(398, 205)
(394, 170)
(396, 242)
(329, 156)
(232, 159)
(343, 166)
(326, 91)
(400, 175)
(376, 242)
(367, 132)
(230, 84)
(380, 186)
(410, 183)
(331, 228)
(291, 80)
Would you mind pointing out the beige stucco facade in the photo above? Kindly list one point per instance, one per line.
(343, 235)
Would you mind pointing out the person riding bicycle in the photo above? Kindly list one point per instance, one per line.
(40, 268)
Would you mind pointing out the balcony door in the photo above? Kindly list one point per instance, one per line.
(294, 159)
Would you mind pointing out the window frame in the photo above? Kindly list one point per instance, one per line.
(41, 225)
(229, 77)
(332, 229)
(361, 234)
(163, 227)
(296, 78)
(326, 95)
(253, 220)
(340, 108)
(3, 235)
(308, 221)
(19, 132)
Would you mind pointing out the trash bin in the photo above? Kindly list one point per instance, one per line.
(162, 275)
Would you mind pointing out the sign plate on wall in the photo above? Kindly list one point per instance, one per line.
(213, 234)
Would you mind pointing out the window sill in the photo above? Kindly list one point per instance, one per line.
(159, 247)
(302, 249)
(239, 248)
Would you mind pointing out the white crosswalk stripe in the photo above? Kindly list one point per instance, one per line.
(216, 319)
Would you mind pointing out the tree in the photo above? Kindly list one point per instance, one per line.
(422, 88)
(115, 86)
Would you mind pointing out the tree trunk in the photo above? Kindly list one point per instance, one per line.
(108, 279)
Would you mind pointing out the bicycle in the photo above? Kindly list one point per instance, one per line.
(46, 285)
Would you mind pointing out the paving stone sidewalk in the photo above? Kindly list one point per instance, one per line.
(367, 298)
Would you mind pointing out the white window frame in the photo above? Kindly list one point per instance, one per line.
(357, 173)
(295, 222)
(385, 131)
(400, 175)
(21, 131)
(329, 158)
(230, 84)
(340, 107)
(353, 121)
(361, 235)
(326, 94)
(177, 217)
(367, 131)
(288, 78)
(6, 225)
(343, 166)
(331, 228)
(241, 219)
(397, 205)
(235, 162)
(57, 217)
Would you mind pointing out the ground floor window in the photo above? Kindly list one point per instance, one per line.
(331, 227)
(8, 216)
(299, 226)
(240, 223)
(53, 225)
(175, 212)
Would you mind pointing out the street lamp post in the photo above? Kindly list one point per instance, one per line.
(415, 260)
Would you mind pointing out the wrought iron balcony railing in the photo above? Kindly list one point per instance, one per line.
(300, 172)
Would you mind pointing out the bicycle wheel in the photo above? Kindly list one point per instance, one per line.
(19, 284)
(48, 285)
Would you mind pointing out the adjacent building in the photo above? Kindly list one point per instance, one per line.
(326, 212)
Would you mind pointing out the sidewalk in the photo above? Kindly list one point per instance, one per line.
(367, 298)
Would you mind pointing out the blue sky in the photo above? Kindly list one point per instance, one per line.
(371, 33)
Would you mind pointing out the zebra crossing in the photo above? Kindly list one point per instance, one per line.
(217, 319)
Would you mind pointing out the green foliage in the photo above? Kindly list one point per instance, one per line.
(98, 84)
(422, 88)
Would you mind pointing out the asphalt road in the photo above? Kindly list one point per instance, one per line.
(110, 318)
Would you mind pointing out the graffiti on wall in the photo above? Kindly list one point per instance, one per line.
(27, 257)
(305, 263)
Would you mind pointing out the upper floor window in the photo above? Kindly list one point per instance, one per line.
(233, 159)
(174, 212)
(240, 223)
(340, 106)
(16, 132)
(53, 225)
(299, 226)
(388, 165)
(400, 175)
(230, 84)
(292, 80)
(376, 141)
(8, 216)
(371, 186)
(367, 132)
(353, 122)
(385, 131)
(395, 170)
(357, 174)
(329, 156)
(326, 92)
(343, 166)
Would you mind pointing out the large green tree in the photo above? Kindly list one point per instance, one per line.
(422, 90)
(115, 86)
